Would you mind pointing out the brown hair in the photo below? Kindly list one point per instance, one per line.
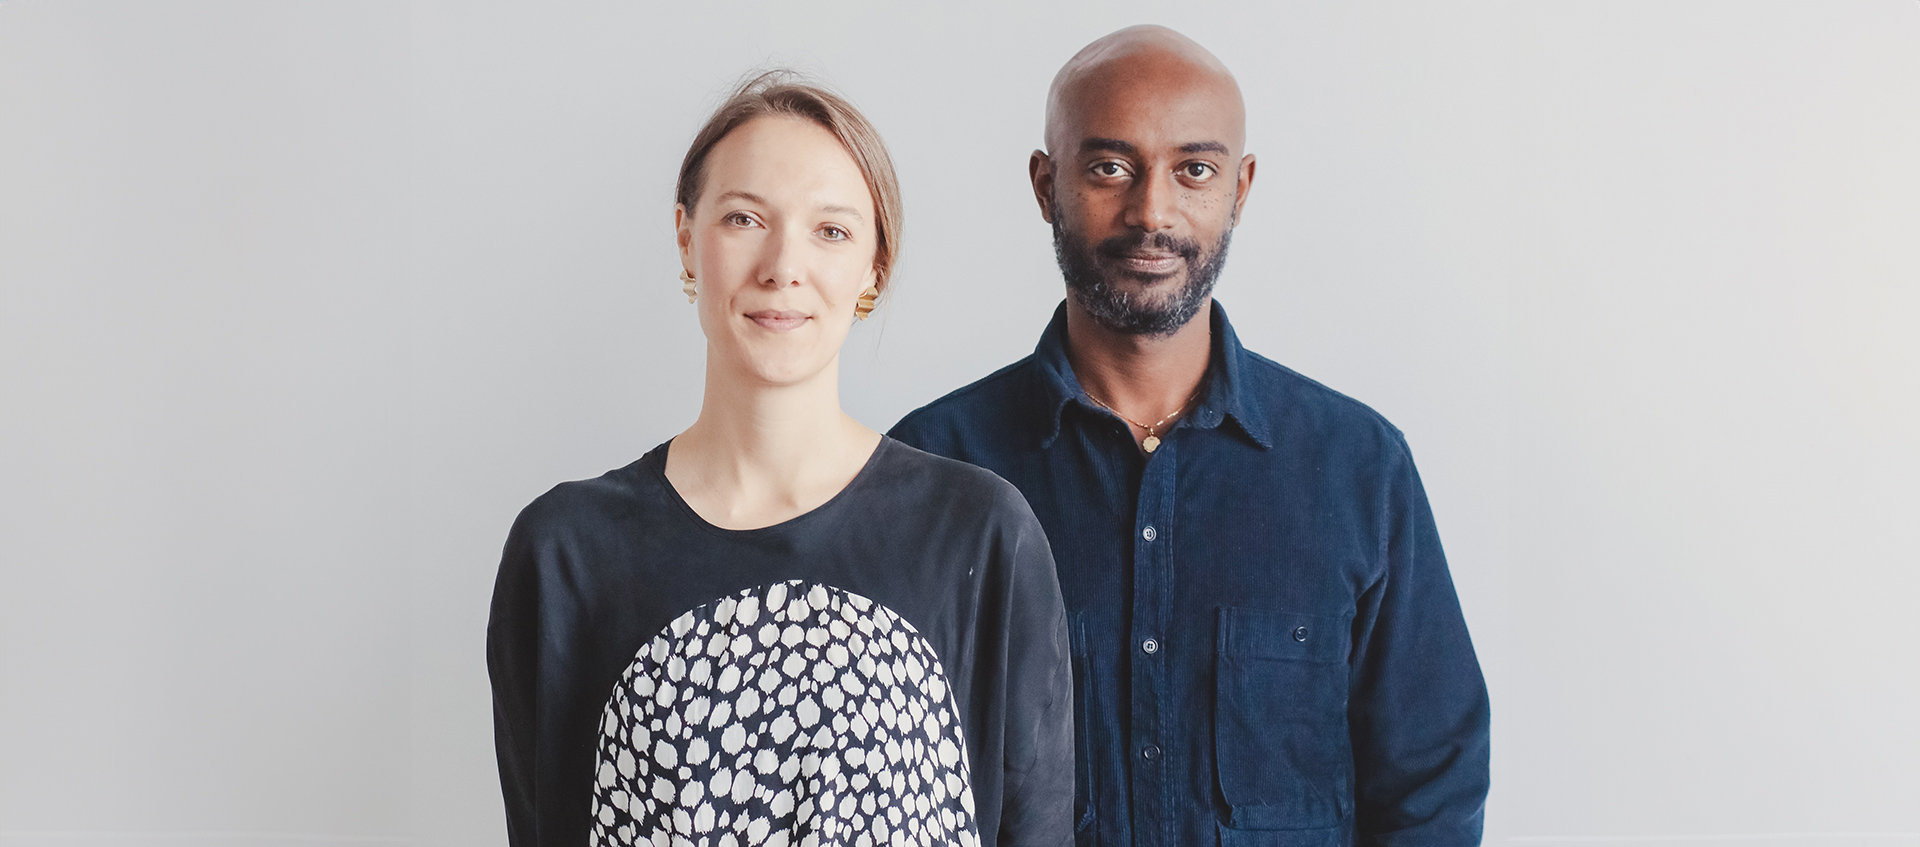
(786, 93)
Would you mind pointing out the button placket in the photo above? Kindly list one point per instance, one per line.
(1153, 716)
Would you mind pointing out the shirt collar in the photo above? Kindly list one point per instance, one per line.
(1225, 397)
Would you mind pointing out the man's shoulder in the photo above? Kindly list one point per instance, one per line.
(1004, 396)
(1296, 404)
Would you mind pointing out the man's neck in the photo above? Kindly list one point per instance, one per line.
(1143, 378)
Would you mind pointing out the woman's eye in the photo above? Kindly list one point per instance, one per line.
(740, 219)
(834, 233)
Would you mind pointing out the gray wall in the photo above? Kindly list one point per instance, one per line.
(301, 302)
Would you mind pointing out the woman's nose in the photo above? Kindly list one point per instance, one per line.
(782, 265)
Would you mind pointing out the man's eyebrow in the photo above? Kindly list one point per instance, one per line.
(1107, 145)
(1115, 145)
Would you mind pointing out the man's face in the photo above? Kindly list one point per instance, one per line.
(1143, 189)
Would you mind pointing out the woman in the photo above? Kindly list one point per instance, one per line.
(781, 627)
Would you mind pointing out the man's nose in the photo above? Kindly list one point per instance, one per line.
(1150, 203)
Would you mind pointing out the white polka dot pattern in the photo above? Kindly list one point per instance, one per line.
(788, 715)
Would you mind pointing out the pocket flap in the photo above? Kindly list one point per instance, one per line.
(1278, 634)
(1326, 837)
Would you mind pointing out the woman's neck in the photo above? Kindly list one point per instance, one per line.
(760, 454)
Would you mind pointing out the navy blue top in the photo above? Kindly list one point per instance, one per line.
(1266, 643)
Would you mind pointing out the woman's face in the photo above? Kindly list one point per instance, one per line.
(781, 241)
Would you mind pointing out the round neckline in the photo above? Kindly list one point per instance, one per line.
(659, 470)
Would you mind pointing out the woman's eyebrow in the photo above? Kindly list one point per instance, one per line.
(755, 198)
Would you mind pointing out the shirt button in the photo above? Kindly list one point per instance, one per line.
(1299, 633)
(1149, 534)
(1150, 646)
(1150, 753)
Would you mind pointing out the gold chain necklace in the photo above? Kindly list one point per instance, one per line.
(1153, 429)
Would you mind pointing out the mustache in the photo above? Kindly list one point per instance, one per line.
(1119, 246)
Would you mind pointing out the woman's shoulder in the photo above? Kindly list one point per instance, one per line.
(584, 506)
(912, 474)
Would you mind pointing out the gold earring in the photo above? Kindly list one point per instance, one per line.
(687, 279)
(864, 306)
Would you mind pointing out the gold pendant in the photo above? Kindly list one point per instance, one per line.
(1149, 443)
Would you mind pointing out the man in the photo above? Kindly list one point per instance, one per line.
(1267, 645)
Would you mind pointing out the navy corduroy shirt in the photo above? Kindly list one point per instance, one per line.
(1267, 646)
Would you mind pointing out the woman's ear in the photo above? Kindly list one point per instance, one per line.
(683, 236)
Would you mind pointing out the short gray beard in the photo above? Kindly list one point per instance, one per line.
(1127, 313)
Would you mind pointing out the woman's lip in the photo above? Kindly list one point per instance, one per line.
(1151, 263)
(778, 320)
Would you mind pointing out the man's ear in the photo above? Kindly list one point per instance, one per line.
(1040, 172)
(1243, 188)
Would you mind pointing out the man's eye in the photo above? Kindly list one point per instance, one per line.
(1108, 169)
(1198, 170)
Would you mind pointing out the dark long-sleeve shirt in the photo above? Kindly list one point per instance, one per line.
(1267, 645)
(891, 666)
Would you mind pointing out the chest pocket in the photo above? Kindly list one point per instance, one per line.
(1281, 746)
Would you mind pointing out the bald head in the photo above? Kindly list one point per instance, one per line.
(1143, 178)
(1142, 63)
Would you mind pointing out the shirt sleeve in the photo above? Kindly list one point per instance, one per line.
(512, 656)
(1037, 806)
(1417, 705)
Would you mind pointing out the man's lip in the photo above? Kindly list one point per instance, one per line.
(1153, 263)
(779, 320)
